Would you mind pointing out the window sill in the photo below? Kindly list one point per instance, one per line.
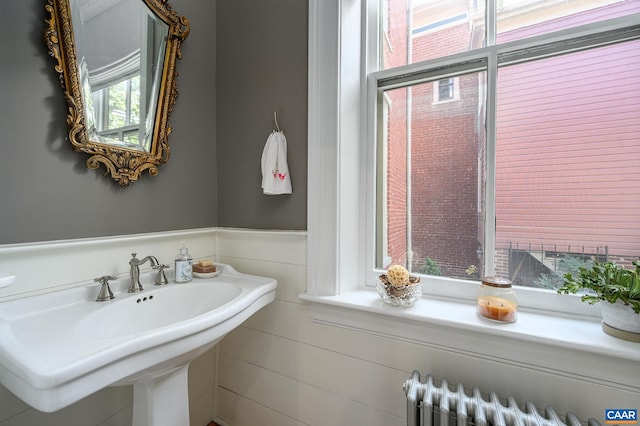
(537, 341)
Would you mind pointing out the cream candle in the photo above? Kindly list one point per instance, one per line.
(497, 308)
(496, 300)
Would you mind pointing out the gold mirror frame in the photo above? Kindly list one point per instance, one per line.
(124, 165)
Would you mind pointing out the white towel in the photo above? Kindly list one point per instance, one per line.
(275, 171)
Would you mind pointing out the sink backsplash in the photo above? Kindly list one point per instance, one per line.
(55, 265)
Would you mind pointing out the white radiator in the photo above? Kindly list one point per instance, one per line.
(431, 405)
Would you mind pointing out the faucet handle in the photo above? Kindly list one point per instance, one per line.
(105, 292)
(161, 278)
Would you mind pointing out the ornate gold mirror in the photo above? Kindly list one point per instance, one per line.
(117, 66)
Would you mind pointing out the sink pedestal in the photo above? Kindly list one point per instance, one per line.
(162, 399)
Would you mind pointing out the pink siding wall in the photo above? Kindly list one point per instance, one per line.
(615, 10)
(568, 151)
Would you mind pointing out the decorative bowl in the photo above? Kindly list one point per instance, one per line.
(403, 295)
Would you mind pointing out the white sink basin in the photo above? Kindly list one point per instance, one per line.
(152, 310)
(58, 348)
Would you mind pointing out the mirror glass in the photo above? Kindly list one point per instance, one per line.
(120, 70)
(117, 65)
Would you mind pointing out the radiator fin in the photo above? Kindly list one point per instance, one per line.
(432, 405)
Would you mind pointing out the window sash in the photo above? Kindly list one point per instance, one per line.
(488, 59)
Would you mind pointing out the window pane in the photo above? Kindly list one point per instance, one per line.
(117, 108)
(134, 114)
(131, 138)
(434, 28)
(445, 89)
(518, 19)
(430, 193)
(568, 187)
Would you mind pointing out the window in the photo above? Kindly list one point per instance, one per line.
(535, 158)
(439, 176)
(446, 90)
(117, 108)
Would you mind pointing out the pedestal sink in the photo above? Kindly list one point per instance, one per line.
(58, 348)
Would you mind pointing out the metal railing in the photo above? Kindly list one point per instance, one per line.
(528, 263)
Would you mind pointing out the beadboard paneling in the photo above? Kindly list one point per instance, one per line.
(347, 377)
(292, 323)
(292, 279)
(309, 404)
(288, 247)
(280, 361)
(240, 411)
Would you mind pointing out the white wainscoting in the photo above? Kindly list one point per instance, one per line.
(280, 367)
(283, 368)
(54, 265)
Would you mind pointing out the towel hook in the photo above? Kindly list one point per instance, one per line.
(275, 119)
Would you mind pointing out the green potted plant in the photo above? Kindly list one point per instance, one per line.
(619, 291)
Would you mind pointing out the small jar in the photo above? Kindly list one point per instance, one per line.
(496, 300)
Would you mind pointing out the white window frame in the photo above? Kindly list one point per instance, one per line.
(341, 194)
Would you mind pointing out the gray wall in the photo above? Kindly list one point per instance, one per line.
(47, 193)
(262, 68)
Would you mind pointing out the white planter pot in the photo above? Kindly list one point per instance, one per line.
(620, 320)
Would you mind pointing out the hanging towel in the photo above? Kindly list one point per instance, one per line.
(275, 171)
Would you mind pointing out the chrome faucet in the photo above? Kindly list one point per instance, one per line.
(134, 285)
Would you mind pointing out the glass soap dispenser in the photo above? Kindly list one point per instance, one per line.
(497, 300)
(184, 268)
